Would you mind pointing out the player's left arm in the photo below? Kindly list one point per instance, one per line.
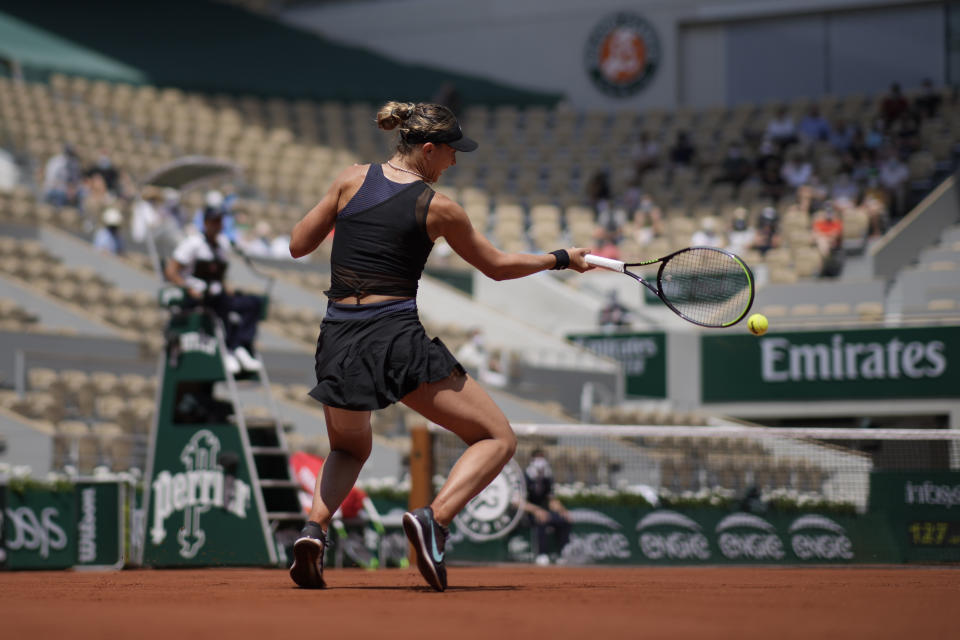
(447, 219)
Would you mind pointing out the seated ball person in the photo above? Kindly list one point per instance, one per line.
(198, 264)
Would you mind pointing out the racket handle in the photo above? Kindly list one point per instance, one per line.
(606, 263)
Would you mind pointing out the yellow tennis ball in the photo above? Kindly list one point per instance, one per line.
(757, 323)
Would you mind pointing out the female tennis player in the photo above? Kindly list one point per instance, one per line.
(373, 351)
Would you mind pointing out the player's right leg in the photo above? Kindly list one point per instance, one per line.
(351, 441)
(461, 405)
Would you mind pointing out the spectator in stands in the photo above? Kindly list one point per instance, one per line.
(772, 184)
(741, 235)
(797, 170)
(95, 198)
(155, 215)
(475, 357)
(610, 223)
(61, 178)
(599, 191)
(9, 173)
(683, 152)
(257, 242)
(828, 238)
(214, 199)
(647, 222)
(827, 230)
(781, 129)
(374, 352)
(449, 96)
(928, 100)
(708, 235)
(813, 127)
(892, 175)
(893, 106)
(906, 133)
(877, 213)
(645, 153)
(767, 235)
(105, 169)
(613, 314)
(857, 150)
(199, 264)
(844, 186)
(546, 513)
(876, 137)
(736, 167)
(109, 238)
(841, 135)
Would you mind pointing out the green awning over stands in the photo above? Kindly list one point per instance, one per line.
(38, 52)
(200, 45)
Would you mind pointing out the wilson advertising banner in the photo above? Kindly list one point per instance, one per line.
(837, 365)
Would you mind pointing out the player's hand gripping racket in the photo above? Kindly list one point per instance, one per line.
(707, 286)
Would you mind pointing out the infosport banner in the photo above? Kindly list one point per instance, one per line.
(643, 355)
(39, 529)
(923, 512)
(832, 365)
(636, 536)
(100, 524)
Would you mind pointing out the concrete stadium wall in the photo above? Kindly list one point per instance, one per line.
(712, 52)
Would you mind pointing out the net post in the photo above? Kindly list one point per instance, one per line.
(421, 473)
(421, 467)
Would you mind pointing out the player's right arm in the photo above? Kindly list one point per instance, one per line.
(448, 219)
(318, 222)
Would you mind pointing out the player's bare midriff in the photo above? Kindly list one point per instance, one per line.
(370, 299)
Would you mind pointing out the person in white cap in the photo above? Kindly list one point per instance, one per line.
(109, 238)
(199, 264)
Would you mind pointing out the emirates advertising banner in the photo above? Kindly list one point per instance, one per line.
(918, 362)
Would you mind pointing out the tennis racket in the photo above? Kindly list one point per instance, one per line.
(707, 286)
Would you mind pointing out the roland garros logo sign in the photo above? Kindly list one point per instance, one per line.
(622, 54)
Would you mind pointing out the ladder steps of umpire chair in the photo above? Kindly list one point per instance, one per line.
(274, 484)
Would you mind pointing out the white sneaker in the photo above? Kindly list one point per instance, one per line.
(231, 363)
(247, 361)
(542, 560)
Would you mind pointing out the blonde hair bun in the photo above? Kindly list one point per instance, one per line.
(393, 114)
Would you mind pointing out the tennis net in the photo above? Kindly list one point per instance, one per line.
(827, 468)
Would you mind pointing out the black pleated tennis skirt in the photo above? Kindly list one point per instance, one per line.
(366, 363)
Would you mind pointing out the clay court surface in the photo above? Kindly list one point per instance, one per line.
(493, 603)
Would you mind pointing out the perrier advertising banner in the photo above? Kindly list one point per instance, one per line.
(200, 509)
(841, 365)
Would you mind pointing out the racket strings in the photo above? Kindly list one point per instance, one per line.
(707, 286)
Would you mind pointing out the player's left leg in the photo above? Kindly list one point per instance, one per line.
(351, 441)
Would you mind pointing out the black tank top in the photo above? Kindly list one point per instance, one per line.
(381, 248)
